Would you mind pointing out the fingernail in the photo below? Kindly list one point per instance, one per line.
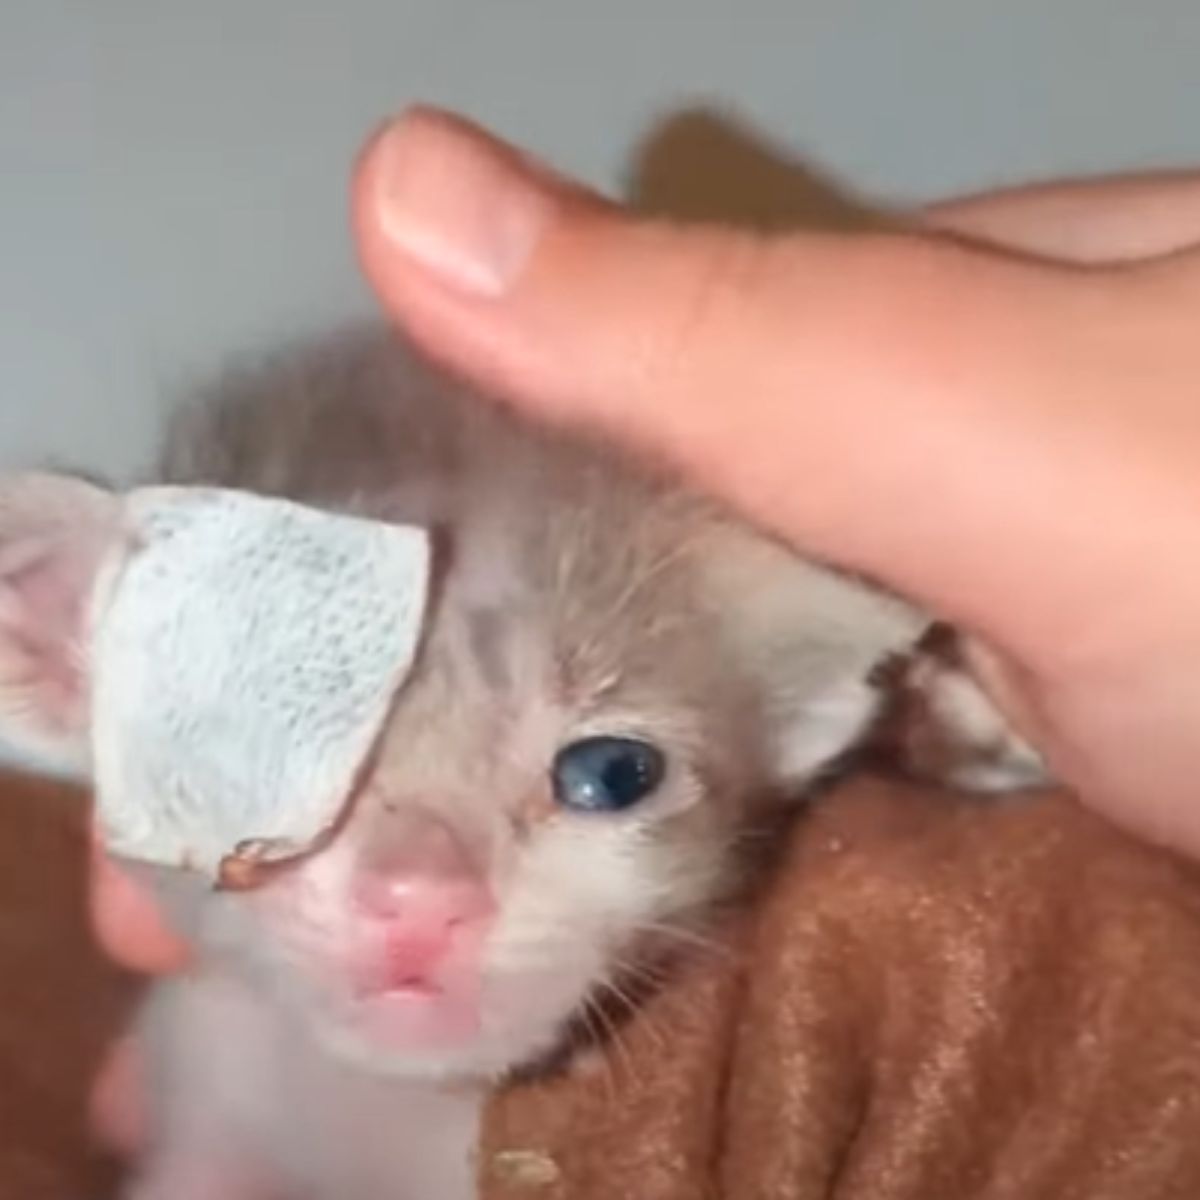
(462, 209)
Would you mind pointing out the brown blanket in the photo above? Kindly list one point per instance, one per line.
(59, 1003)
(936, 1000)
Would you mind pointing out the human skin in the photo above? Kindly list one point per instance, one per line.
(1008, 438)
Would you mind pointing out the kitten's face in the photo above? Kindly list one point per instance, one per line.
(615, 684)
(562, 785)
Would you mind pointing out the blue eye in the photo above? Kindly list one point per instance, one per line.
(606, 774)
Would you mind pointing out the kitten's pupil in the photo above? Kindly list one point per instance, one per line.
(606, 774)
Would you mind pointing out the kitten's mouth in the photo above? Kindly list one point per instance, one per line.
(464, 1021)
(417, 1013)
(414, 987)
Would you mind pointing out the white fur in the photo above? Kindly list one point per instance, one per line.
(261, 1091)
(824, 725)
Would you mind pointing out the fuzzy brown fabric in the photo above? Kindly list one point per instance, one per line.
(59, 1002)
(938, 1000)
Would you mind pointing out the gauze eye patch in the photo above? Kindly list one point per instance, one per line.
(245, 652)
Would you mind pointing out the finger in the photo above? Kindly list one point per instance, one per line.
(1125, 218)
(899, 404)
(117, 1114)
(127, 922)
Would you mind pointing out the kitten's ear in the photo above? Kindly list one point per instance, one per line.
(55, 530)
(814, 639)
(844, 665)
(943, 726)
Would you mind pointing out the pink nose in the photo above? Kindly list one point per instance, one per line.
(422, 919)
(427, 905)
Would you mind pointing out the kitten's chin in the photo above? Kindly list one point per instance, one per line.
(436, 1035)
(411, 1034)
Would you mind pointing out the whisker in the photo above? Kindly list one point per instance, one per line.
(686, 936)
(598, 1047)
(614, 1037)
(631, 1005)
(642, 975)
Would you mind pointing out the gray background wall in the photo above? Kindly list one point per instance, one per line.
(173, 174)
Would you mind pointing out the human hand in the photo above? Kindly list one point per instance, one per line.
(130, 930)
(1009, 440)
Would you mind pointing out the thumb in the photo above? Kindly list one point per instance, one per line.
(900, 404)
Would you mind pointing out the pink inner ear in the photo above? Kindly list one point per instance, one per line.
(54, 532)
(41, 619)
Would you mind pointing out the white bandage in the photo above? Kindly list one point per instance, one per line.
(245, 653)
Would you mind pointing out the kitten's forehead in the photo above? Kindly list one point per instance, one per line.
(487, 633)
(594, 588)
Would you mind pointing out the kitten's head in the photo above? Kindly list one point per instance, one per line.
(617, 689)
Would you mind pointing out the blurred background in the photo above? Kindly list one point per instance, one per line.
(174, 174)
